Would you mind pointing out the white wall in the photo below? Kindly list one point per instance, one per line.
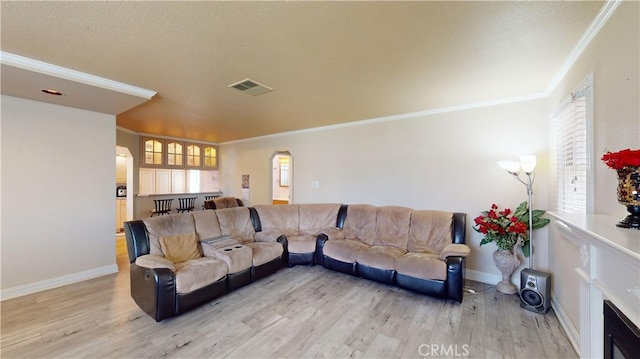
(58, 205)
(614, 59)
(445, 161)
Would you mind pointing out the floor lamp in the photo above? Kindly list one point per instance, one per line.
(528, 165)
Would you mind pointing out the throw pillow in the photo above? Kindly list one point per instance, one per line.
(180, 247)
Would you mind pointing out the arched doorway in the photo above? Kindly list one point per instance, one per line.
(281, 177)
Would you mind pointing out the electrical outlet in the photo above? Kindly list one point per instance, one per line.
(315, 184)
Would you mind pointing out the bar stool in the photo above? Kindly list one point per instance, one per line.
(186, 204)
(163, 206)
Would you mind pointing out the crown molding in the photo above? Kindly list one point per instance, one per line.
(44, 68)
(402, 116)
(598, 22)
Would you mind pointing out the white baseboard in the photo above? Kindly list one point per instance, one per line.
(565, 323)
(56, 282)
(483, 277)
(490, 278)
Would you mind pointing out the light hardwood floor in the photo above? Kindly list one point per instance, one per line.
(297, 312)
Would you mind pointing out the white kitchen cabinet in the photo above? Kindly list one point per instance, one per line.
(147, 183)
(121, 214)
(121, 169)
(163, 181)
(178, 181)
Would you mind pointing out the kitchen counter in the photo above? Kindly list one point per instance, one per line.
(169, 195)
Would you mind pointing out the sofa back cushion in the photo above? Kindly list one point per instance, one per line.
(283, 217)
(162, 226)
(236, 222)
(361, 223)
(317, 217)
(179, 248)
(206, 223)
(225, 202)
(392, 226)
(430, 231)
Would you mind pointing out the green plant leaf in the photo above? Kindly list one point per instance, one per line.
(485, 240)
(526, 249)
(522, 211)
(540, 223)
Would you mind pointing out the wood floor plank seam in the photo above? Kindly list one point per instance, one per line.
(298, 312)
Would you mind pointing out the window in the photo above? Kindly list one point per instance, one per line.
(572, 124)
(284, 171)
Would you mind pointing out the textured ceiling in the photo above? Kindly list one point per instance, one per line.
(329, 62)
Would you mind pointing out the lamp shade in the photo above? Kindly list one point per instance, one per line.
(528, 163)
(510, 166)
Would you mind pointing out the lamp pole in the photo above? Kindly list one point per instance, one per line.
(529, 184)
(528, 165)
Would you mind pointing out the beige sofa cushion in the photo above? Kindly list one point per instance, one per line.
(237, 256)
(197, 273)
(264, 252)
(422, 265)
(225, 202)
(430, 231)
(206, 223)
(317, 218)
(455, 249)
(344, 250)
(381, 257)
(236, 222)
(283, 218)
(166, 226)
(180, 247)
(270, 235)
(302, 244)
(361, 223)
(152, 261)
(392, 226)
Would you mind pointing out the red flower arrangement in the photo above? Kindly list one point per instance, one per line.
(621, 159)
(506, 227)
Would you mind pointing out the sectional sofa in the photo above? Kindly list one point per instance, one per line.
(181, 261)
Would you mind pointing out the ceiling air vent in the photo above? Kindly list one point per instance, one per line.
(251, 87)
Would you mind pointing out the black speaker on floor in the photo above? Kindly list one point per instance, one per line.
(535, 290)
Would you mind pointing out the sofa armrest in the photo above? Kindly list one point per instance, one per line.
(151, 261)
(320, 241)
(333, 233)
(154, 290)
(455, 277)
(455, 249)
(285, 250)
(271, 235)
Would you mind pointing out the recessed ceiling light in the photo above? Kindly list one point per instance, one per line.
(51, 92)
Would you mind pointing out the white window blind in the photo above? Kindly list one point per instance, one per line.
(571, 156)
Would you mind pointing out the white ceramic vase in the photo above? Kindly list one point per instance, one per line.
(506, 262)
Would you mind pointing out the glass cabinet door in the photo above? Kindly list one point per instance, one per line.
(175, 156)
(194, 156)
(152, 152)
(210, 157)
